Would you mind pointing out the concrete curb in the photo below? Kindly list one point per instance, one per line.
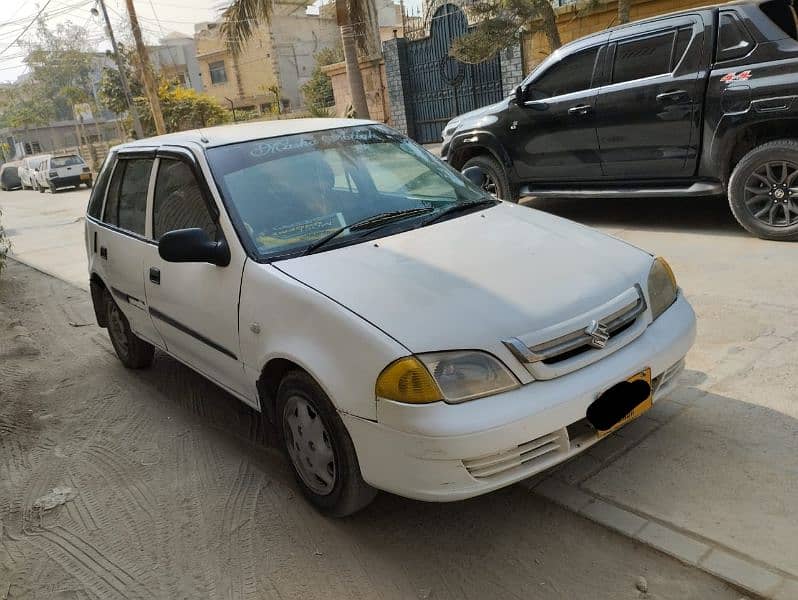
(738, 570)
(18, 259)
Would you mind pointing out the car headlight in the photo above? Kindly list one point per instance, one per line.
(662, 288)
(450, 376)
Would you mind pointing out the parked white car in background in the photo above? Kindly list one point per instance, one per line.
(401, 329)
(28, 170)
(67, 170)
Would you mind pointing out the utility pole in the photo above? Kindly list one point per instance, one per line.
(149, 80)
(134, 115)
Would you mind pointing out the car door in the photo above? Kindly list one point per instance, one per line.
(195, 305)
(647, 114)
(124, 239)
(552, 133)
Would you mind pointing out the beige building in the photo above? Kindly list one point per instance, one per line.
(280, 54)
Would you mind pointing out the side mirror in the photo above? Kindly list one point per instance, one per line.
(519, 95)
(193, 245)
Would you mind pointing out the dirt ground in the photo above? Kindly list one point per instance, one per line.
(165, 488)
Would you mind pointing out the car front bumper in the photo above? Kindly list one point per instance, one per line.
(441, 452)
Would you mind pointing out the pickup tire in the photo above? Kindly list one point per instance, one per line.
(763, 191)
(497, 181)
(319, 448)
(134, 352)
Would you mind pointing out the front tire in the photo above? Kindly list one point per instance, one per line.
(763, 191)
(319, 448)
(52, 189)
(497, 181)
(134, 352)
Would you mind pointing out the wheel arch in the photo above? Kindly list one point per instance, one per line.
(468, 145)
(753, 136)
(271, 375)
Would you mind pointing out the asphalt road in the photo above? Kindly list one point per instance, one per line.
(716, 465)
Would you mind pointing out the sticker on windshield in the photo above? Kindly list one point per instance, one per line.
(303, 231)
(320, 140)
(741, 76)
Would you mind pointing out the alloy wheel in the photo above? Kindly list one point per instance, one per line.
(771, 193)
(309, 445)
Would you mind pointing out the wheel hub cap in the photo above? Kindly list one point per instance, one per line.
(309, 445)
(771, 193)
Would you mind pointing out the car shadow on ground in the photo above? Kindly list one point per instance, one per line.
(699, 215)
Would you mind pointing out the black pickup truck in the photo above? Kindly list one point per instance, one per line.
(696, 103)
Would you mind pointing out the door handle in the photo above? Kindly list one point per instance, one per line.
(155, 275)
(674, 96)
(580, 110)
(103, 252)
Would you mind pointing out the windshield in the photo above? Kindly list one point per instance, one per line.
(65, 161)
(287, 193)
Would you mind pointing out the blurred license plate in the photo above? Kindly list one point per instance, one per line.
(637, 410)
(85, 176)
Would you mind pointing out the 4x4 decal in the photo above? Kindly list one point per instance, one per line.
(741, 76)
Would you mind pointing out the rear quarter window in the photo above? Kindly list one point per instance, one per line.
(98, 192)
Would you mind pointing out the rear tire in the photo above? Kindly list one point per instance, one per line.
(88, 184)
(763, 191)
(134, 352)
(319, 448)
(497, 180)
(41, 189)
(53, 189)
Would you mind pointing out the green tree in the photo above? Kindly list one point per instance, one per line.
(26, 105)
(318, 91)
(110, 92)
(501, 23)
(183, 108)
(60, 61)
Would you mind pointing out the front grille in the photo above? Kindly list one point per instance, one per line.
(529, 456)
(584, 339)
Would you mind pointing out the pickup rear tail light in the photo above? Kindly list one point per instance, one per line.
(86, 169)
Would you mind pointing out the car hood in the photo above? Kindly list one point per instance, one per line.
(481, 117)
(471, 281)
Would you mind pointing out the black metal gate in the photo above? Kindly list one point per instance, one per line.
(442, 87)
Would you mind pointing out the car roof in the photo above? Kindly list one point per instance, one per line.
(222, 135)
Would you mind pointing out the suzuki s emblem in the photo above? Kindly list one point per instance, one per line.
(598, 333)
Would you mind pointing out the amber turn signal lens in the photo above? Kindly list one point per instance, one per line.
(407, 380)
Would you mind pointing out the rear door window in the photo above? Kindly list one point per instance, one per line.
(126, 204)
(643, 57)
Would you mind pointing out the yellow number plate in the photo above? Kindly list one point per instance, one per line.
(637, 410)
(85, 176)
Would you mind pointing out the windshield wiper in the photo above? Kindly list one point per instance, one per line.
(371, 222)
(456, 208)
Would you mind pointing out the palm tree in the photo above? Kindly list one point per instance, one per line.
(241, 18)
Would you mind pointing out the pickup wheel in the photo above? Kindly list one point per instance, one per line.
(134, 352)
(496, 180)
(319, 448)
(763, 191)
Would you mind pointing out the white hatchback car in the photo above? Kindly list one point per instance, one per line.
(65, 170)
(400, 328)
(29, 169)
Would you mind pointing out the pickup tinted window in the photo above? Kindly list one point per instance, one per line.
(126, 205)
(782, 13)
(733, 39)
(178, 201)
(572, 74)
(643, 57)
